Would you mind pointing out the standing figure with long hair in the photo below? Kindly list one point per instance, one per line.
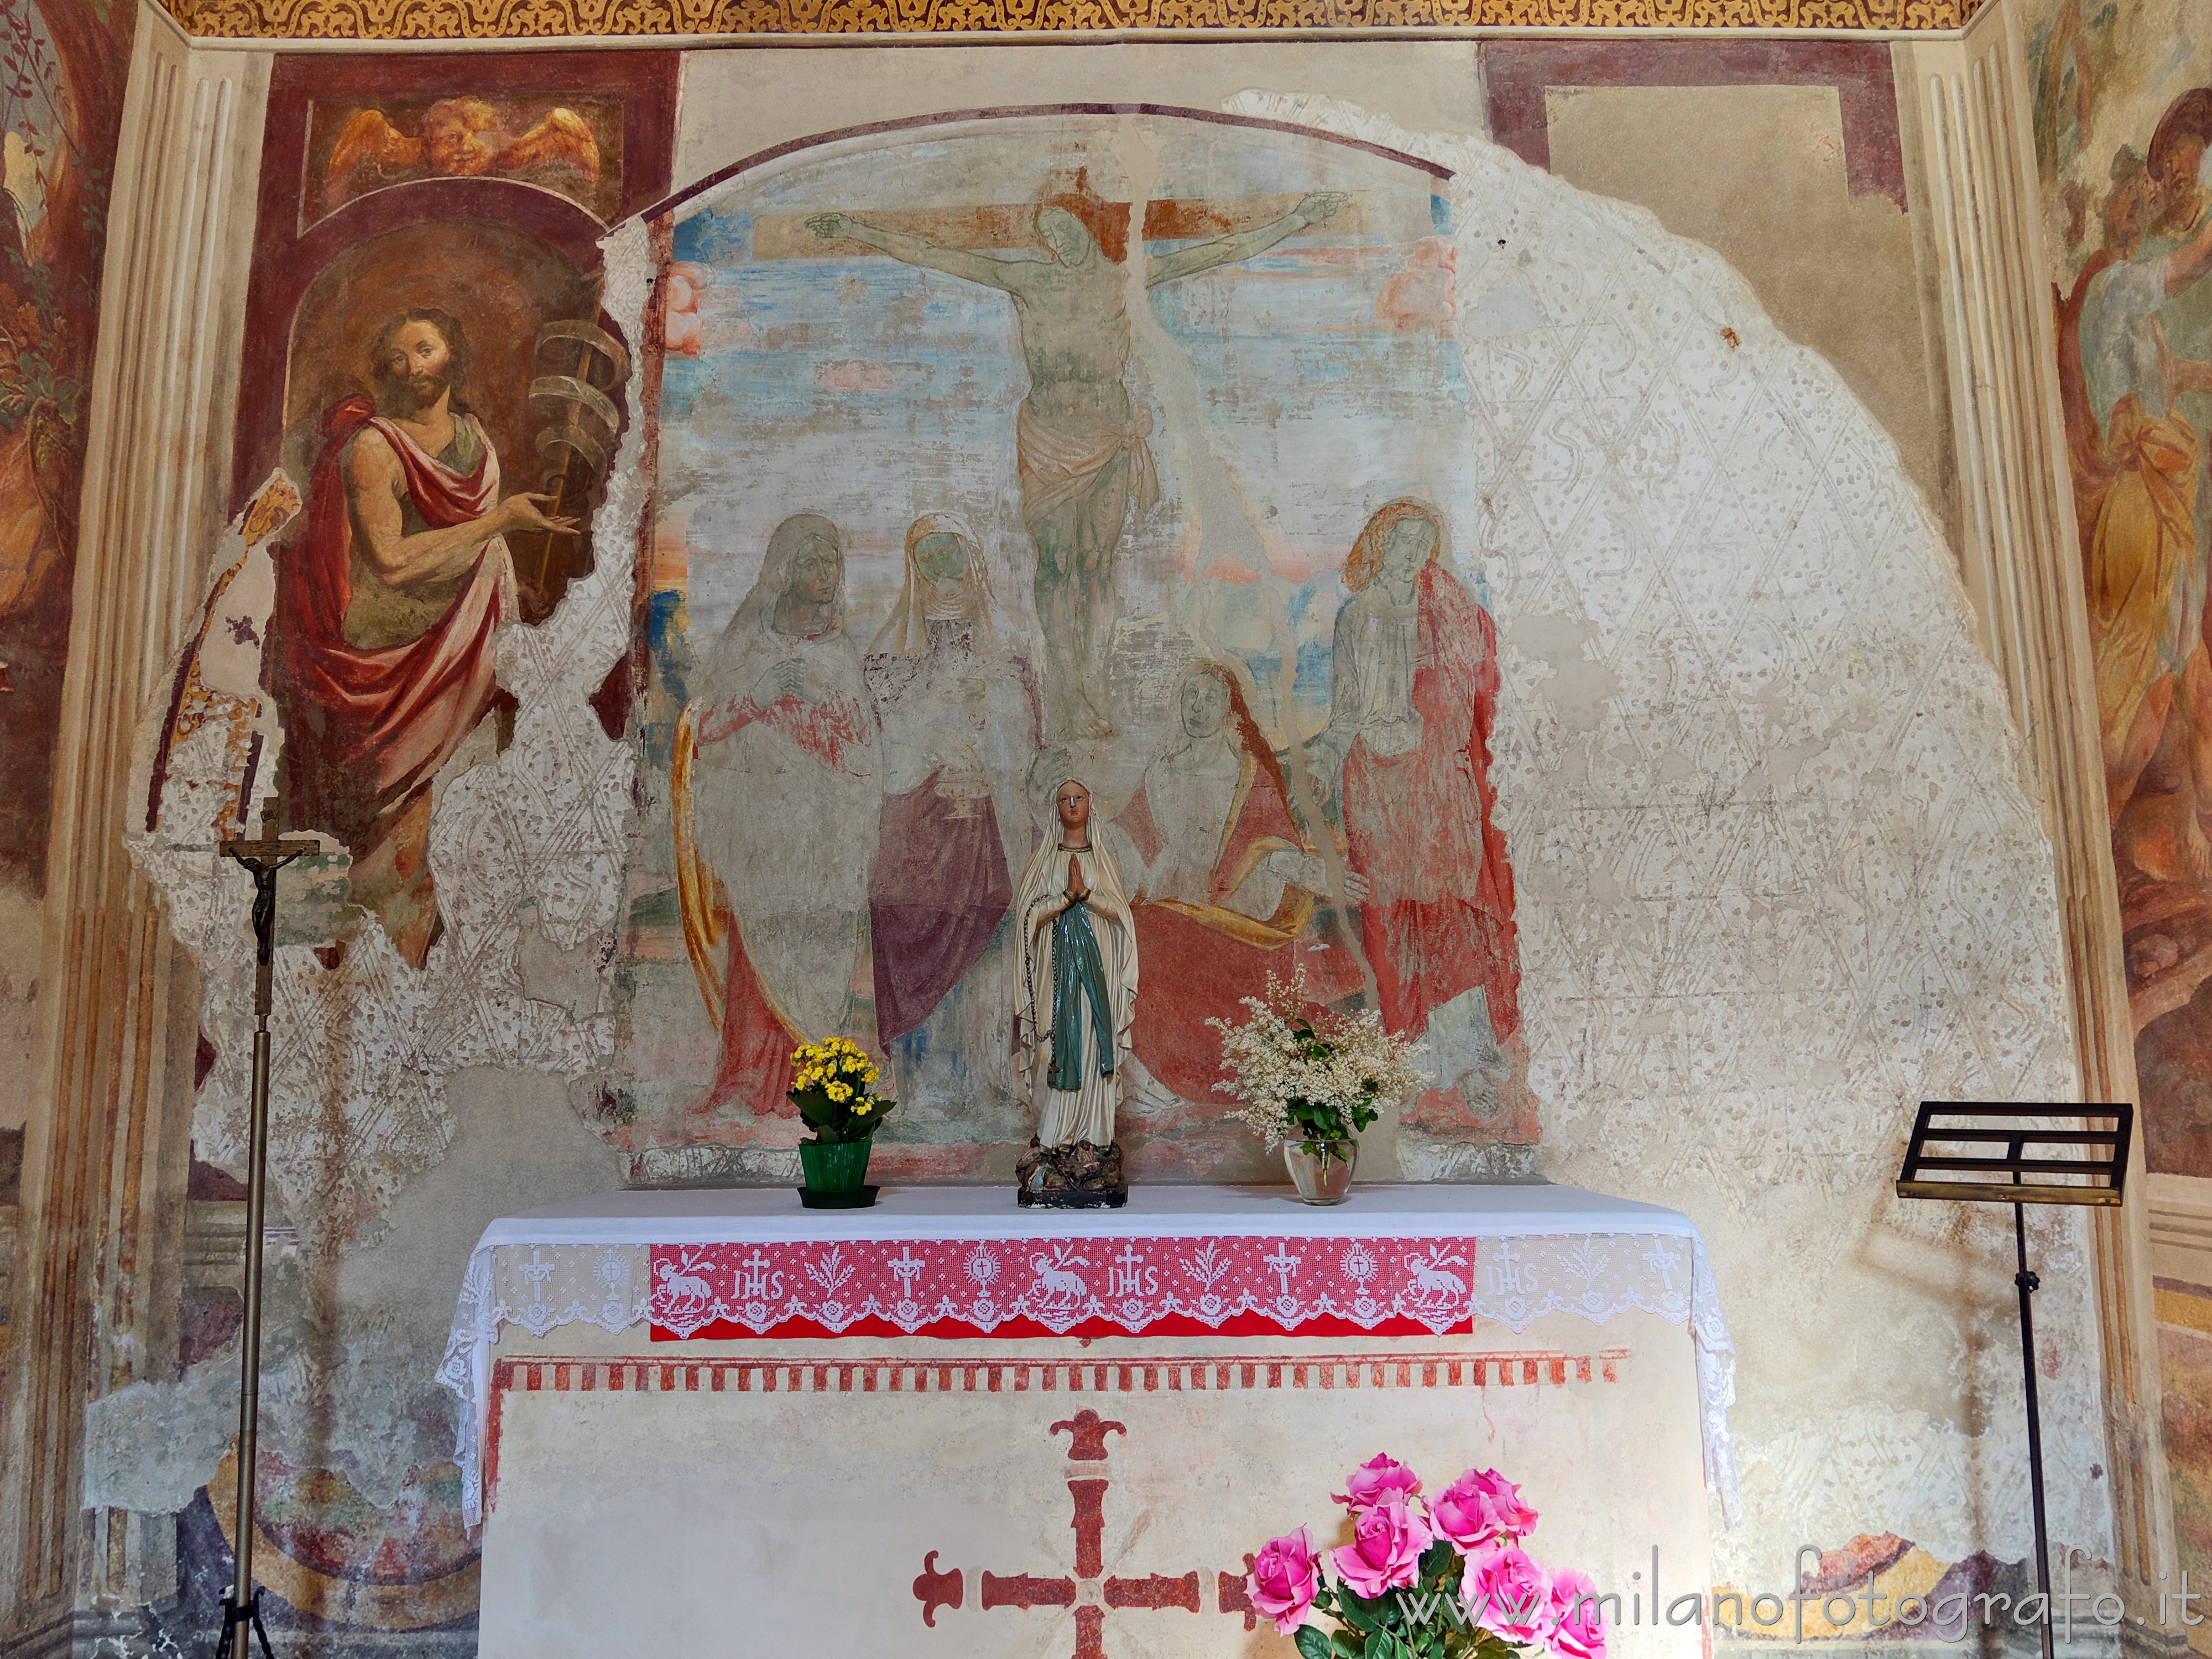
(958, 718)
(387, 605)
(778, 791)
(1074, 1008)
(1407, 749)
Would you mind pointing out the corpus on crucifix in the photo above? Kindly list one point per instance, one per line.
(1080, 443)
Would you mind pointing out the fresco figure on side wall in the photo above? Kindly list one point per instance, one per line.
(1077, 1002)
(1080, 443)
(959, 724)
(2146, 572)
(1407, 753)
(1223, 882)
(388, 606)
(778, 799)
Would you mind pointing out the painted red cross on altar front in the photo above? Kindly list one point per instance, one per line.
(1087, 1591)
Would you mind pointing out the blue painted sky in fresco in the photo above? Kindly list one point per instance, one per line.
(874, 392)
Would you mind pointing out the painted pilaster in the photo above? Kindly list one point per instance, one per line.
(2022, 564)
(107, 1153)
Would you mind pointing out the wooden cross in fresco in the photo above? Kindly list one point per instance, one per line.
(1088, 1591)
(1005, 225)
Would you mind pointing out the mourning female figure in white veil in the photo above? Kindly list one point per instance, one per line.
(777, 782)
(959, 719)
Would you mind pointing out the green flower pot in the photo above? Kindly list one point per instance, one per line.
(834, 1166)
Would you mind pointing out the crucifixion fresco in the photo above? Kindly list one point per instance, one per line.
(1214, 576)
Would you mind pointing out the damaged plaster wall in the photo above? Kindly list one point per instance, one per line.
(384, 1180)
(1778, 877)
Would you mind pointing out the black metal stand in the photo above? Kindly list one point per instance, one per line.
(235, 1617)
(241, 1608)
(2029, 1284)
(2084, 1177)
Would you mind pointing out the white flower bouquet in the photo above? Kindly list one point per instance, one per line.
(1317, 1079)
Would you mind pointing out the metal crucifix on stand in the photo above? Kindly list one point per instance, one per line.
(241, 1609)
(2034, 1166)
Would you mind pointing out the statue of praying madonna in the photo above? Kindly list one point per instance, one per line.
(1076, 1003)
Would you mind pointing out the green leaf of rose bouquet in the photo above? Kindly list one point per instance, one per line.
(1358, 1612)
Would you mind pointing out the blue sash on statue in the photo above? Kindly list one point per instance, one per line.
(1078, 973)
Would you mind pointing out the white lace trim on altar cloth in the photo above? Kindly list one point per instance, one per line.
(983, 1284)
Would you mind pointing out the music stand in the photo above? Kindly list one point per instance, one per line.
(2096, 1173)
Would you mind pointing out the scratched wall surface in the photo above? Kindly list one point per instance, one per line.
(1774, 876)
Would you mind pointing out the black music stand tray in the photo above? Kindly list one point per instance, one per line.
(2096, 1173)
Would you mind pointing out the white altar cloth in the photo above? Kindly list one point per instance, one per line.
(1530, 1251)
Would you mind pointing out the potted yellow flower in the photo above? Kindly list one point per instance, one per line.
(833, 1088)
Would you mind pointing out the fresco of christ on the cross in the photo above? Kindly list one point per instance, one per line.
(1080, 445)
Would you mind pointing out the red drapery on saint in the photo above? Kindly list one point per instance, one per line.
(369, 729)
(1438, 917)
(1202, 961)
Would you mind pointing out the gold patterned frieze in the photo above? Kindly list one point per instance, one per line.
(537, 19)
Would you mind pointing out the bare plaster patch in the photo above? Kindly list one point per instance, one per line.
(1777, 878)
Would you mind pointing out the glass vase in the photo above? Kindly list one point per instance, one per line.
(1324, 1175)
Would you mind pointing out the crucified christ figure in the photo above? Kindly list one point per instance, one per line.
(1079, 445)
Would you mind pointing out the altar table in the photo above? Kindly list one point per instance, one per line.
(723, 1424)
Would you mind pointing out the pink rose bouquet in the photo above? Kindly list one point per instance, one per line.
(1285, 1576)
(1479, 1509)
(1381, 1477)
(1577, 1627)
(1387, 1542)
(1441, 1578)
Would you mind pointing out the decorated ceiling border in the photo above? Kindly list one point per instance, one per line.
(537, 20)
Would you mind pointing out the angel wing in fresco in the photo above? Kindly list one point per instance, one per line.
(368, 139)
(698, 901)
(461, 138)
(563, 136)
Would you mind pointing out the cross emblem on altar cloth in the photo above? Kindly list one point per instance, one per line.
(755, 1282)
(1507, 1276)
(1088, 1591)
(906, 1269)
(535, 1271)
(1663, 1261)
(1284, 1265)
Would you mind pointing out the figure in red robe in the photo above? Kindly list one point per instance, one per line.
(1225, 886)
(1414, 691)
(388, 607)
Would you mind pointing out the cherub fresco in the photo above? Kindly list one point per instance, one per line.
(459, 138)
(2138, 464)
(1080, 441)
